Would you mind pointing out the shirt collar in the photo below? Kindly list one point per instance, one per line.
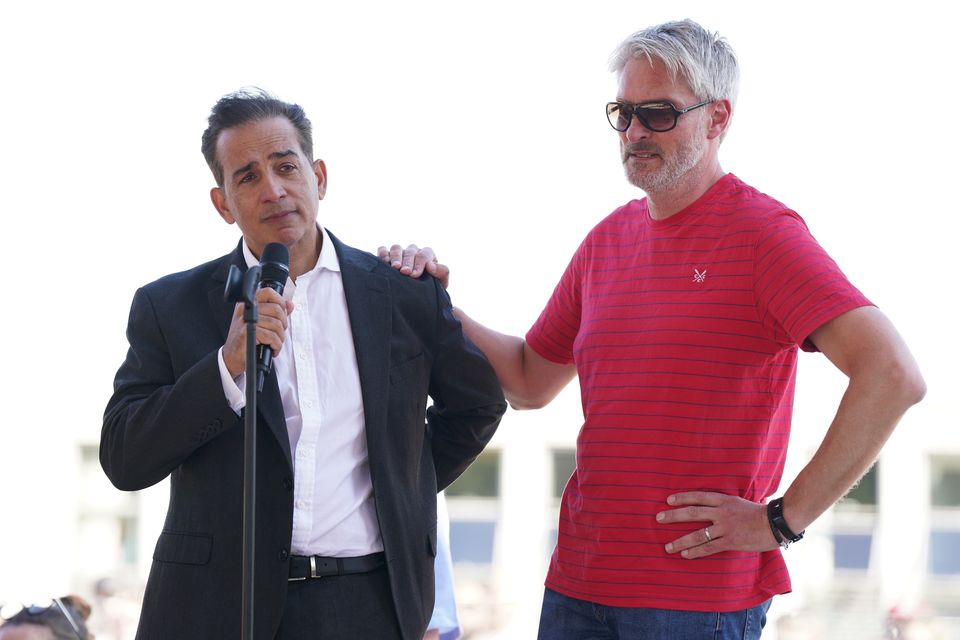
(327, 260)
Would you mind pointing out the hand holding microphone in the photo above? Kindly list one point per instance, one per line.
(272, 312)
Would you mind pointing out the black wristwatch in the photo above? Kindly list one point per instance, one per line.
(781, 532)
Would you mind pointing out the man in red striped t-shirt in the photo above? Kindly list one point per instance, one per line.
(682, 315)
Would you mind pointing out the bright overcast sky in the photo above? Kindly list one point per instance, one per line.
(476, 128)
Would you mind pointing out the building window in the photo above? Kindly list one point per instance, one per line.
(855, 519)
(945, 481)
(563, 464)
(480, 480)
(107, 521)
(473, 501)
(944, 559)
(863, 495)
(472, 541)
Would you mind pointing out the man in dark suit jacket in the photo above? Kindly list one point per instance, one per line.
(172, 414)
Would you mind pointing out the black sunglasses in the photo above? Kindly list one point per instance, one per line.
(7, 612)
(655, 116)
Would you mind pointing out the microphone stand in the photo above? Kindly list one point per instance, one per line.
(243, 289)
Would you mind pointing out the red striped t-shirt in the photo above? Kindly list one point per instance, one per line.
(685, 334)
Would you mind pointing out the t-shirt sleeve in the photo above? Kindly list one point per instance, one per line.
(798, 287)
(553, 334)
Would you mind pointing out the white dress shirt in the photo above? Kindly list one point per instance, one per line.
(333, 506)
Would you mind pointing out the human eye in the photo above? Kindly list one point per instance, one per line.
(247, 177)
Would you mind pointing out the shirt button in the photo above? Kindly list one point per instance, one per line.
(287, 484)
(283, 555)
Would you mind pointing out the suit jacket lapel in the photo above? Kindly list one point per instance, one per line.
(370, 311)
(269, 406)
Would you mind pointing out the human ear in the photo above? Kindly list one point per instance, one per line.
(720, 114)
(320, 170)
(219, 200)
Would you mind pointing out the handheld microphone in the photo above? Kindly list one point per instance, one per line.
(274, 269)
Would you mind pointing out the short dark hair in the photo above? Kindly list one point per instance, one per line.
(251, 105)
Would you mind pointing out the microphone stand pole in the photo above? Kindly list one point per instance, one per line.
(246, 291)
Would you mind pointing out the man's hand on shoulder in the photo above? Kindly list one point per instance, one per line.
(413, 261)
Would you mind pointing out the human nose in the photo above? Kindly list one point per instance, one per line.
(636, 130)
(273, 189)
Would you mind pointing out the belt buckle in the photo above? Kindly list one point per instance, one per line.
(313, 571)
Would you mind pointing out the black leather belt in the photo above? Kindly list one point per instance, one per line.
(303, 567)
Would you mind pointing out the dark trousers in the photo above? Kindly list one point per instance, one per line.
(340, 608)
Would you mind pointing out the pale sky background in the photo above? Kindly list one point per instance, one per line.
(475, 128)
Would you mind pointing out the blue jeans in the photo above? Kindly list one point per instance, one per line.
(563, 618)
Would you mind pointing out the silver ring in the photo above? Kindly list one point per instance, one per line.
(706, 532)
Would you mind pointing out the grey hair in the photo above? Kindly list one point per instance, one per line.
(705, 60)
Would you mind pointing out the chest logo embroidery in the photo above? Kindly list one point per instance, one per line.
(699, 276)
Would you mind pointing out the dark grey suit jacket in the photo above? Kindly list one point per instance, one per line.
(168, 417)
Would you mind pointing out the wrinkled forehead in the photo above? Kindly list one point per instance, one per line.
(256, 141)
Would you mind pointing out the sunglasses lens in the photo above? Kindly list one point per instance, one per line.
(657, 118)
(619, 116)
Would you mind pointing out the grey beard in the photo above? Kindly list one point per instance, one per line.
(684, 159)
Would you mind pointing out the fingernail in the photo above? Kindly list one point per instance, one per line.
(671, 499)
(669, 547)
(660, 517)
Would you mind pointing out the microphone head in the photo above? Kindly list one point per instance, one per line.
(275, 265)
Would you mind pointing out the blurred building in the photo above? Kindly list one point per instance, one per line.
(889, 551)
